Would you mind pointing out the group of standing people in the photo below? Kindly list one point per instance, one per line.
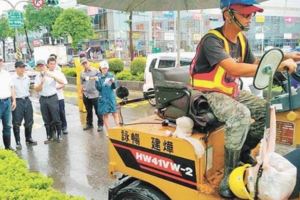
(15, 101)
(98, 92)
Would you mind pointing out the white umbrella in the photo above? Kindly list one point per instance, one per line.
(152, 5)
(156, 5)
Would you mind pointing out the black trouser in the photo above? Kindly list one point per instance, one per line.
(89, 104)
(50, 114)
(62, 114)
(23, 111)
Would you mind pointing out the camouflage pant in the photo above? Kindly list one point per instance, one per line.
(237, 114)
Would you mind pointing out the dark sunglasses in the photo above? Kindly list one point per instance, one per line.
(247, 16)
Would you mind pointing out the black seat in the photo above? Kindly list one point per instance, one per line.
(174, 98)
(171, 92)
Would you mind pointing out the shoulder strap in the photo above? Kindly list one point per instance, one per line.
(243, 45)
(214, 32)
(219, 35)
(241, 38)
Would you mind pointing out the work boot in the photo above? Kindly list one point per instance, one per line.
(88, 127)
(59, 132)
(231, 161)
(29, 140)
(53, 131)
(246, 157)
(250, 143)
(49, 136)
(6, 141)
(59, 138)
(100, 128)
(65, 131)
(16, 130)
(18, 145)
(49, 140)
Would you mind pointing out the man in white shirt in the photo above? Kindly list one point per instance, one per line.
(21, 83)
(45, 84)
(7, 104)
(52, 65)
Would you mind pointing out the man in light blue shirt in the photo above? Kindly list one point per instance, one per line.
(21, 83)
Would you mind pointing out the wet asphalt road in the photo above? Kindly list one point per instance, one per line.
(79, 164)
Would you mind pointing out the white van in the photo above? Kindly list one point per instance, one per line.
(163, 60)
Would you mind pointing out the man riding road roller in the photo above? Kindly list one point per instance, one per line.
(222, 56)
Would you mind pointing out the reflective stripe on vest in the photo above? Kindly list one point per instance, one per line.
(215, 80)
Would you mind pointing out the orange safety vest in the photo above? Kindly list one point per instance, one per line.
(215, 79)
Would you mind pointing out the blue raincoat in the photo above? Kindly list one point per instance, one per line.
(107, 98)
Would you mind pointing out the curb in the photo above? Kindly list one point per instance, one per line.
(130, 85)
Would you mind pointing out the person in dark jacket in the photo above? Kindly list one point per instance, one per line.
(90, 94)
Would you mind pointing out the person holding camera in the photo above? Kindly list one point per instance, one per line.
(106, 84)
(45, 85)
(90, 94)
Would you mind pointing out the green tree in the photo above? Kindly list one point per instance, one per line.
(36, 20)
(73, 23)
(5, 32)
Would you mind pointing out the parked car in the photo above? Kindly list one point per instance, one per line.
(267, 48)
(162, 60)
(286, 49)
(297, 48)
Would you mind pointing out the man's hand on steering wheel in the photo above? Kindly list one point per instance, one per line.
(288, 64)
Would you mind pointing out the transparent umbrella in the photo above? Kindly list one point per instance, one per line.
(156, 5)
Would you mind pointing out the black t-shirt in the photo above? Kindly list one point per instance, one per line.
(211, 51)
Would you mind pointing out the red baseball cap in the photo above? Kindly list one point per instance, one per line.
(245, 9)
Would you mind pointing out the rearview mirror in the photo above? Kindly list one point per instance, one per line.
(267, 68)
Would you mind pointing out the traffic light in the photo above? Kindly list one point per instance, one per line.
(52, 2)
